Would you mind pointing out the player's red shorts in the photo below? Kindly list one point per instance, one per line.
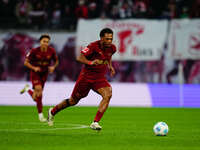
(38, 78)
(83, 86)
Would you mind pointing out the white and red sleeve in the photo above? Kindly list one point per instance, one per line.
(30, 55)
(87, 51)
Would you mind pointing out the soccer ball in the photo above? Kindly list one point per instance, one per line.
(161, 129)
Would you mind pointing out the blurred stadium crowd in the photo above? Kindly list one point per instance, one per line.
(36, 15)
(63, 14)
(15, 46)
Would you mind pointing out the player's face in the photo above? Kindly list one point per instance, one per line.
(107, 39)
(44, 42)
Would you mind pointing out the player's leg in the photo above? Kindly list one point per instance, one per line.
(39, 88)
(106, 93)
(81, 90)
(37, 96)
(25, 89)
(34, 78)
(62, 105)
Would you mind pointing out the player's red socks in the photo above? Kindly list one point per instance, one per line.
(38, 101)
(54, 110)
(98, 116)
(65, 103)
(39, 104)
(30, 92)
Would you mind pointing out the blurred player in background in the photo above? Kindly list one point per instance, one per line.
(41, 61)
(96, 57)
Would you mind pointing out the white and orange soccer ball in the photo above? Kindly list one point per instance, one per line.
(161, 129)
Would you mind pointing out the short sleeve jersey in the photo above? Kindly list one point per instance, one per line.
(94, 51)
(42, 59)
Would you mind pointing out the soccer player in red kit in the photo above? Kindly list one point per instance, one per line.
(41, 61)
(96, 57)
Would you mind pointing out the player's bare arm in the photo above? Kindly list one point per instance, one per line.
(53, 67)
(82, 59)
(111, 68)
(30, 66)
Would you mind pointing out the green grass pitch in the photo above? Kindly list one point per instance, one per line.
(124, 128)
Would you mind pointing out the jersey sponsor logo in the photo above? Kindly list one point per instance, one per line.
(103, 62)
(43, 63)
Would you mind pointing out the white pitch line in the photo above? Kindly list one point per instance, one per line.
(76, 126)
(40, 123)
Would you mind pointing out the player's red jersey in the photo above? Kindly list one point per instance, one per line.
(42, 59)
(94, 51)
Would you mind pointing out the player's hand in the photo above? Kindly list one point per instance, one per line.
(112, 71)
(37, 69)
(51, 69)
(96, 62)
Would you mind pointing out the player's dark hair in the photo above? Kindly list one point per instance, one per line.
(44, 36)
(105, 30)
